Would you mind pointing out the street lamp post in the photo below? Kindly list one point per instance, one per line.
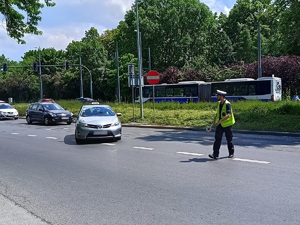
(40, 73)
(139, 59)
(259, 52)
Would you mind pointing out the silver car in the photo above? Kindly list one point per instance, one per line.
(97, 122)
(8, 112)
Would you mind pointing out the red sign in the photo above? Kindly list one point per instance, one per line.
(153, 77)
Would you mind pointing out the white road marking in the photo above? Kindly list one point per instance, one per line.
(110, 144)
(250, 160)
(31, 135)
(143, 148)
(15, 133)
(189, 153)
(54, 138)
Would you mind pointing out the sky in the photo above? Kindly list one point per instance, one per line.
(68, 20)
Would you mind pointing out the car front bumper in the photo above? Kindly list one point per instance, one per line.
(92, 133)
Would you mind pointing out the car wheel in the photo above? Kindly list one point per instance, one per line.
(46, 121)
(69, 123)
(16, 118)
(28, 119)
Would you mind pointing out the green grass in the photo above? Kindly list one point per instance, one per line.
(249, 115)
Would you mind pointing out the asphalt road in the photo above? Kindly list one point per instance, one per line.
(151, 176)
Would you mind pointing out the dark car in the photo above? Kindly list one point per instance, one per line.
(85, 100)
(48, 113)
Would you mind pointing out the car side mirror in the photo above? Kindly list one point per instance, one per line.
(41, 110)
(119, 114)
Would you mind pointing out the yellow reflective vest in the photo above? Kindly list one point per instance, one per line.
(230, 121)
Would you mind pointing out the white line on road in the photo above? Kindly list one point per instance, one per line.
(143, 148)
(15, 133)
(189, 153)
(31, 135)
(54, 138)
(252, 161)
(109, 144)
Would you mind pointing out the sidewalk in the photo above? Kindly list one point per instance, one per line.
(12, 214)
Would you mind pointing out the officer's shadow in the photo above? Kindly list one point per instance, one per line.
(198, 160)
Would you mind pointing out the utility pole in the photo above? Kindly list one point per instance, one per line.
(40, 73)
(259, 52)
(139, 59)
(118, 73)
(80, 67)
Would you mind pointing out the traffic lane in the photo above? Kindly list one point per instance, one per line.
(282, 151)
(155, 172)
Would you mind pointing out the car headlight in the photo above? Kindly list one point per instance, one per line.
(72, 114)
(83, 124)
(52, 114)
(115, 124)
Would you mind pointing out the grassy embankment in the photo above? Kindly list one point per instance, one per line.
(249, 115)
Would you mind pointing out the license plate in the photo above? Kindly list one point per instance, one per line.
(100, 132)
(65, 118)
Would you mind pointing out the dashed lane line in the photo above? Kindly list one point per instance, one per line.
(189, 153)
(251, 161)
(144, 148)
(31, 135)
(54, 138)
(15, 133)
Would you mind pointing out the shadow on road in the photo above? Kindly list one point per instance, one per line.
(207, 139)
(70, 140)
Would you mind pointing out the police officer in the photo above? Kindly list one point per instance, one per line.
(224, 120)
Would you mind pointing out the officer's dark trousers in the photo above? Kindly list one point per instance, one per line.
(218, 139)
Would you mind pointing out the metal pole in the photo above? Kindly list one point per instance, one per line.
(118, 72)
(40, 75)
(91, 80)
(149, 60)
(259, 52)
(81, 85)
(133, 102)
(139, 59)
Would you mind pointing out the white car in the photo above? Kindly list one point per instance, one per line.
(8, 112)
(97, 122)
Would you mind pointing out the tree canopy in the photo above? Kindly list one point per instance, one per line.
(22, 17)
(187, 41)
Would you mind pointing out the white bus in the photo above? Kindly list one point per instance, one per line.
(264, 89)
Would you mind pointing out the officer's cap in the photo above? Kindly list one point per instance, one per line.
(222, 93)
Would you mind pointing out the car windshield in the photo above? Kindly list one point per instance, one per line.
(97, 111)
(53, 107)
(5, 106)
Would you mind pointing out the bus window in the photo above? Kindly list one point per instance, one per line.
(240, 90)
(147, 93)
(160, 92)
(178, 92)
(252, 90)
(263, 87)
(190, 91)
(169, 92)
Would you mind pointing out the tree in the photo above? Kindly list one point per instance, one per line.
(175, 30)
(289, 25)
(242, 28)
(93, 56)
(17, 25)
